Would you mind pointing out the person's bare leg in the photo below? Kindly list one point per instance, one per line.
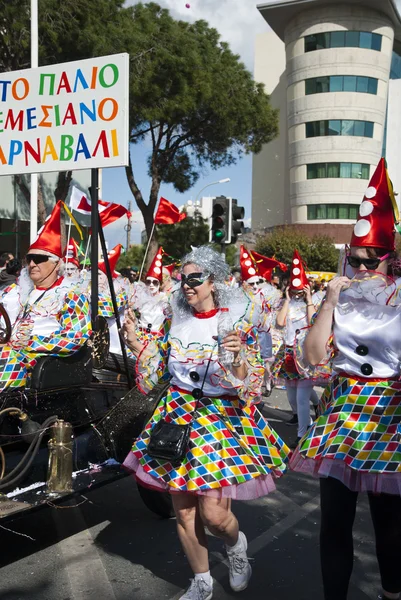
(191, 531)
(217, 516)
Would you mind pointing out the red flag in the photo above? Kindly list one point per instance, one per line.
(108, 211)
(168, 213)
(111, 213)
(265, 265)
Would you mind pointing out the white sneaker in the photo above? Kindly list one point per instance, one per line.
(198, 590)
(240, 569)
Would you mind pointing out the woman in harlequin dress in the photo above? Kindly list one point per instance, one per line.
(355, 445)
(295, 314)
(224, 461)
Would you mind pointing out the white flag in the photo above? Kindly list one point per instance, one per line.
(76, 197)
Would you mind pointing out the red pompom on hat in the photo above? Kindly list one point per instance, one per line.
(155, 269)
(49, 235)
(71, 252)
(248, 265)
(113, 256)
(298, 277)
(378, 213)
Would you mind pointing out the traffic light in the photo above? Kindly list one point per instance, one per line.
(220, 221)
(237, 226)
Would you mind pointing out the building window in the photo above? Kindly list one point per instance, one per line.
(343, 39)
(339, 127)
(318, 212)
(341, 83)
(336, 170)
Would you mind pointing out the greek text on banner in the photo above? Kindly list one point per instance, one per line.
(66, 116)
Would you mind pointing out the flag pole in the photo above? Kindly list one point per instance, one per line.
(68, 241)
(146, 251)
(87, 249)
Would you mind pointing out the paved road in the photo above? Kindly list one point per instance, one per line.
(113, 548)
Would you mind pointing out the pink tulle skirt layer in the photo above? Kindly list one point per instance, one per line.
(356, 481)
(254, 488)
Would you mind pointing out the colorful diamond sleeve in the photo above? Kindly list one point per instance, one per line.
(151, 365)
(75, 328)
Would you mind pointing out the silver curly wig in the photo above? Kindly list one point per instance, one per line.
(213, 265)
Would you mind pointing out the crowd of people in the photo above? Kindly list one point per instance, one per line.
(222, 341)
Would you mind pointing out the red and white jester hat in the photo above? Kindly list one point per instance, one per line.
(298, 277)
(49, 235)
(249, 270)
(155, 269)
(113, 257)
(378, 213)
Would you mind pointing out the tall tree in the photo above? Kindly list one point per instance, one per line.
(177, 239)
(192, 100)
(318, 252)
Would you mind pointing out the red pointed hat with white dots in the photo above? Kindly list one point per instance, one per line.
(155, 269)
(248, 266)
(113, 257)
(49, 235)
(298, 277)
(378, 213)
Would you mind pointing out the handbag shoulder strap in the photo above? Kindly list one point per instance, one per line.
(200, 390)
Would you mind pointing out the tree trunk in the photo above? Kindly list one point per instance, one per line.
(147, 210)
(63, 185)
(41, 204)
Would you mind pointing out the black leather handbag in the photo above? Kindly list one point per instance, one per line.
(169, 441)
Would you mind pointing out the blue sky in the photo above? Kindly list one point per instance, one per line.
(238, 22)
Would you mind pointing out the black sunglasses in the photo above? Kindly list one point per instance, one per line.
(370, 264)
(152, 282)
(192, 280)
(36, 258)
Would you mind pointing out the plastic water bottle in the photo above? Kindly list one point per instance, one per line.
(224, 326)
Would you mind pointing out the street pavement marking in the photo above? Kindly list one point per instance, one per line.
(296, 515)
(86, 574)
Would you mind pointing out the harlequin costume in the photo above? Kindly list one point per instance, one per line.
(233, 452)
(355, 446)
(356, 436)
(284, 369)
(45, 322)
(151, 310)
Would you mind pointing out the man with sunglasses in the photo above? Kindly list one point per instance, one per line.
(48, 317)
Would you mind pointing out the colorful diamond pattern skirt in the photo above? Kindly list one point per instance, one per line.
(232, 451)
(357, 438)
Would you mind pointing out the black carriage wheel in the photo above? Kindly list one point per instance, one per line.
(5, 333)
(158, 502)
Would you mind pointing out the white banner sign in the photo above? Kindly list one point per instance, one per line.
(63, 117)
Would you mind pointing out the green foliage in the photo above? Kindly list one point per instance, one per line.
(177, 239)
(232, 255)
(132, 258)
(318, 252)
(192, 97)
(68, 30)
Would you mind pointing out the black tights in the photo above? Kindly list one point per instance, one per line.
(338, 506)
